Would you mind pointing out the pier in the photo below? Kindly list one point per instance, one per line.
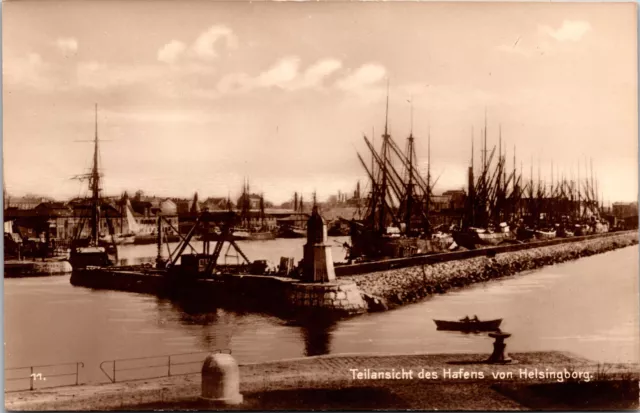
(396, 281)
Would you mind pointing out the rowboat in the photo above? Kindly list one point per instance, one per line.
(469, 325)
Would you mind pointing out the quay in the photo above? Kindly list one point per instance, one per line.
(352, 289)
(36, 268)
(288, 379)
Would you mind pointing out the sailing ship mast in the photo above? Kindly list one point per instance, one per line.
(262, 214)
(410, 153)
(94, 184)
(384, 155)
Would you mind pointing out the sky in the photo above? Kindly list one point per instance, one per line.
(196, 96)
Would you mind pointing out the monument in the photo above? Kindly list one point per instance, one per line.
(318, 288)
(317, 260)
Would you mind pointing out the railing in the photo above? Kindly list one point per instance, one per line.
(43, 374)
(162, 366)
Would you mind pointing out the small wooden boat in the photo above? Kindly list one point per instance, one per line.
(469, 325)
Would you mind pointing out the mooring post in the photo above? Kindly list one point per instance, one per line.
(221, 380)
(499, 355)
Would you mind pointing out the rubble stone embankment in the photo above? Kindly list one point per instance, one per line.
(405, 285)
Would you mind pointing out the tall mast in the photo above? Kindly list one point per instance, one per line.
(592, 196)
(499, 177)
(428, 172)
(472, 138)
(471, 205)
(579, 192)
(484, 162)
(485, 172)
(515, 191)
(383, 189)
(514, 168)
(262, 209)
(373, 157)
(410, 154)
(95, 185)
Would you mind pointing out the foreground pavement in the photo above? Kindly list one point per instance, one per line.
(455, 381)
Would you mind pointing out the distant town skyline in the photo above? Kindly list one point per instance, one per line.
(197, 96)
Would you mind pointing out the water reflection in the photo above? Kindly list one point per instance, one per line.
(317, 332)
(211, 325)
(214, 324)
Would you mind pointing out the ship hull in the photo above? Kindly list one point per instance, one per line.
(468, 326)
(473, 239)
(292, 233)
(261, 236)
(120, 239)
(153, 239)
(376, 246)
(545, 235)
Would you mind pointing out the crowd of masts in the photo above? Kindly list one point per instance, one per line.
(497, 193)
(401, 196)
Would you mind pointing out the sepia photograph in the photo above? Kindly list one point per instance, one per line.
(320, 205)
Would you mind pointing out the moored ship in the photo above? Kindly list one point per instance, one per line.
(395, 223)
(93, 250)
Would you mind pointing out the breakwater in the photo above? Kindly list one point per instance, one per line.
(382, 284)
(411, 283)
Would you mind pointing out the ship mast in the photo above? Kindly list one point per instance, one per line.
(410, 153)
(95, 186)
(385, 150)
(428, 180)
(471, 184)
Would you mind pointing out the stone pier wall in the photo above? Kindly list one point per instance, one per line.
(36, 268)
(404, 285)
(342, 296)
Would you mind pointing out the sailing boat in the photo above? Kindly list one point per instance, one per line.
(132, 225)
(92, 251)
(263, 233)
(247, 232)
(293, 227)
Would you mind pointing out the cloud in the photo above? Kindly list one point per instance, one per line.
(67, 45)
(366, 75)
(570, 31)
(170, 52)
(280, 74)
(204, 46)
(284, 73)
(317, 72)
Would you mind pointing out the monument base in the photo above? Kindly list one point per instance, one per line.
(232, 401)
(338, 296)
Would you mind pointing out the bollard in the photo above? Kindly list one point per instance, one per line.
(221, 380)
(499, 355)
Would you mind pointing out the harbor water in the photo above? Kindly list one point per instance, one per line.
(588, 307)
